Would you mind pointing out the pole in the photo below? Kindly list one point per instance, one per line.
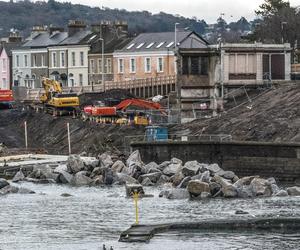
(103, 83)
(69, 138)
(136, 197)
(26, 139)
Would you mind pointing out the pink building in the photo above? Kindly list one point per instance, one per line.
(4, 69)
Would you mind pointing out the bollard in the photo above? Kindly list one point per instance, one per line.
(26, 138)
(69, 138)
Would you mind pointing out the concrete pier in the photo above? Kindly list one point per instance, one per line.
(143, 233)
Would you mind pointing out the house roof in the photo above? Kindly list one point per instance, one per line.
(163, 41)
(80, 37)
(9, 47)
(46, 39)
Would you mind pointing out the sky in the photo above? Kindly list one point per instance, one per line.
(209, 10)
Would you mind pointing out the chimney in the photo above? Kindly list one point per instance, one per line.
(53, 30)
(38, 29)
(14, 36)
(75, 26)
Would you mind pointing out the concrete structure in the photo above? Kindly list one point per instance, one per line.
(278, 160)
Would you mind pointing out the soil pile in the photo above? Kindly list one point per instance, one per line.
(274, 116)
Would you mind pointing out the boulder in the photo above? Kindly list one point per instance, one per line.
(226, 174)
(154, 177)
(3, 183)
(64, 177)
(228, 190)
(65, 195)
(91, 163)
(98, 180)
(134, 159)
(275, 189)
(213, 168)
(8, 189)
(293, 191)
(244, 181)
(125, 170)
(60, 168)
(151, 165)
(19, 176)
(190, 168)
(147, 182)
(131, 188)
(184, 182)
(196, 187)
(244, 191)
(163, 165)
(177, 178)
(172, 169)
(241, 212)
(125, 179)
(153, 170)
(43, 172)
(214, 188)
(205, 195)
(105, 160)
(117, 167)
(261, 187)
(281, 193)
(108, 176)
(163, 179)
(205, 177)
(163, 193)
(203, 167)
(97, 171)
(75, 164)
(178, 194)
(80, 179)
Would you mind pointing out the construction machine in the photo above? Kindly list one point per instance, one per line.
(55, 101)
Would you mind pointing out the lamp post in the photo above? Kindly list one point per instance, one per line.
(102, 76)
(175, 47)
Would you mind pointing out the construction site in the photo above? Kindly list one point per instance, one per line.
(110, 121)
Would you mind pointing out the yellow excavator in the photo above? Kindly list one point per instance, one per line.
(55, 101)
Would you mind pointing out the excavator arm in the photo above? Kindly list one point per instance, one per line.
(51, 87)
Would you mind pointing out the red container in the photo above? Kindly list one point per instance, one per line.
(104, 111)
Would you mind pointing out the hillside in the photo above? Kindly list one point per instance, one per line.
(22, 15)
(274, 116)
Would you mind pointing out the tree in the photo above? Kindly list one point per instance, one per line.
(271, 7)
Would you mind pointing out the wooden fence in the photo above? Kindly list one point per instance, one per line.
(142, 88)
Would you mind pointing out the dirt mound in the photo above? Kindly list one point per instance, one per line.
(274, 116)
(50, 133)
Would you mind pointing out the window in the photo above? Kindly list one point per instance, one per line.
(17, 61)
(132, 65)
(92, 66)
(121, 66)
(159, 45)
(81, 58)
(130, 46)
(80, 79)
(148, 65)
(73, 59)
(140, 45)
(25, 60)
(42, 60)
(62, 59)
(34, 63)
(160, 64)
(149, 45)
(54, 62)
(170, 44)
(4, 64)
(109, 68)
(100, 65)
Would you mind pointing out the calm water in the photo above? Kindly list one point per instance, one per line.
(96, 216)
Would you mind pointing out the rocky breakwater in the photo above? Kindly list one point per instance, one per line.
(191, 180)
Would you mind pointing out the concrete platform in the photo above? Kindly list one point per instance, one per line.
(143, 233)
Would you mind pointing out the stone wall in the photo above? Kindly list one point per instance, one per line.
(279, 160)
